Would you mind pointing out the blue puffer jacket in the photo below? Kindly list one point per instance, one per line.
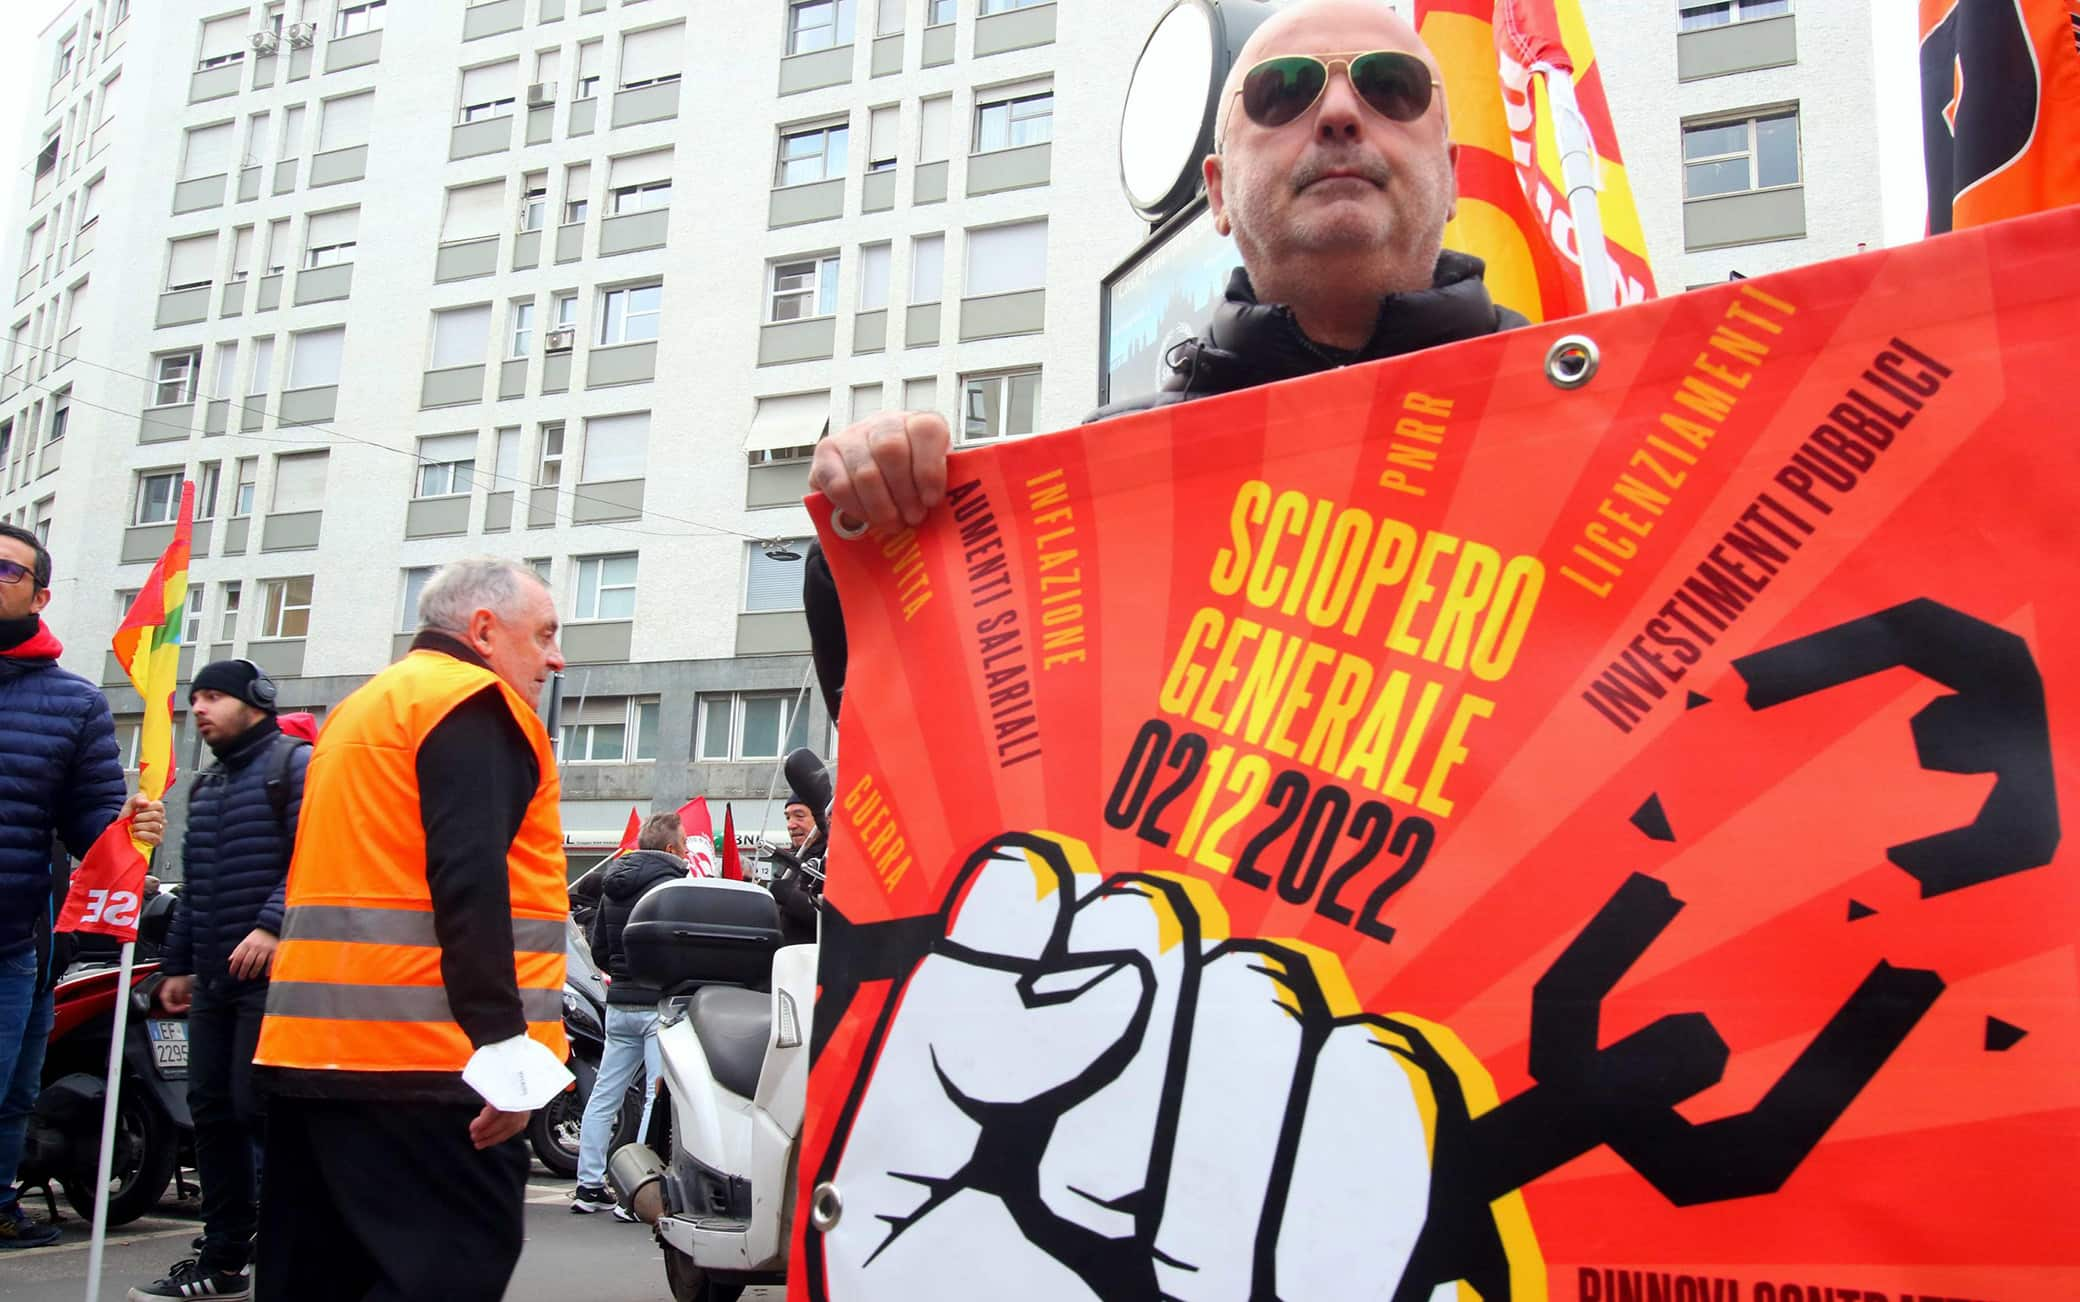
(60, 776)
(235, 858)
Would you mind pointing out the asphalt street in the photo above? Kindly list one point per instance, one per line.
(568, 1258)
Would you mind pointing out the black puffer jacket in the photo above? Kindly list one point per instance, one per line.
(1245, 344)
(235, 857)
(631, 876)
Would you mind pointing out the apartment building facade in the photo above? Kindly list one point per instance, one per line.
(583, 281)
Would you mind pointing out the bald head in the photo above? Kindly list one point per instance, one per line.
(1287, 32)
(1342, 205)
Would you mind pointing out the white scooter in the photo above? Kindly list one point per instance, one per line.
(733, 1036)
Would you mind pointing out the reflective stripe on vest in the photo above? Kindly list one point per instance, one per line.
(356, 983)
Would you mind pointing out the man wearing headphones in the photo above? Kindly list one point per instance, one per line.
(241, 829)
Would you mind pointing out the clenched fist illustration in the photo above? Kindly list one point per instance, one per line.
(1087, 1089)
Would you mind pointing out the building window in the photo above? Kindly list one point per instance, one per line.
(606, 587)
(191, 616)
(549, 466)
(818, 25)
(355, 19)
(939, 12)
(522, 321)
(129, 740)
(805, 289)
(286, 607)
(534, 201)
(314, 357)
(639, 198)
(1698, 14)
(630, 315)
(174, 378)
(445, 463)
(815, 154)
(610, 730)
(329, 238)
(158, 497)
(770, 584)
(1006, 6)
(1009, 123)
(461, 335)
(617, 447)
(490, 108)
(61, 417)
(999, 406)
(750, 726)
(248, 479)
(299, 482)
(563, 311)
(488, 91)
(408, 607)
(227, 621)
(588, 68)
(1746, 154)
(206, 487)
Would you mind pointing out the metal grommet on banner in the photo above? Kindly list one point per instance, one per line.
(825, 1207)
(1572, 361)
(842, 525)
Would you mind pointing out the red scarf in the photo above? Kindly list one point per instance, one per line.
(40, 645)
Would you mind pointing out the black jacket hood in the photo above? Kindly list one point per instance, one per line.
(637, 871)
(1247, 343)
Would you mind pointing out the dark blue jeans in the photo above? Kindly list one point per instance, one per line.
(223, 1031)
(25, 1029)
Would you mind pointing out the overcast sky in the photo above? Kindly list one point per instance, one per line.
(23, 80)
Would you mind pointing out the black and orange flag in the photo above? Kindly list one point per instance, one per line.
(2000, 108)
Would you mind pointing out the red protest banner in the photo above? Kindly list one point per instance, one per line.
(1423, 826)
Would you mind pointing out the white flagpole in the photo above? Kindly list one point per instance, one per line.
(105, 1167)
(1578, 168)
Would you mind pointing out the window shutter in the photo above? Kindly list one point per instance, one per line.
(314, 358)
(648, 55)
(771, 584)
(461, 335)
(208, 153)
(927, 268)
(1005, 259)
(336, 227)
(474, 211)
(299, 482)
(222, 36)
(640, 169)
(448, 447)
(192, 261)
(490, 82)
(616, 447)
(346, 121)
(933, 123)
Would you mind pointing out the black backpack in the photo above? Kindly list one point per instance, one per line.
(280, 752)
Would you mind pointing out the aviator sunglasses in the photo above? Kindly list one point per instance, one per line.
(1396, 85)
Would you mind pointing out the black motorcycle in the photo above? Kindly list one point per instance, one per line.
(554, 1128)
(155, 1136)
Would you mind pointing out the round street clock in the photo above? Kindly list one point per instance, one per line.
(1173, 100)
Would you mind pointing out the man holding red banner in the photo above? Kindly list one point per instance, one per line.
(1333, 169)
(60, 776)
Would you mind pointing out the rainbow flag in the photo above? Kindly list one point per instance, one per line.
(1521, 80)
(148, 646)
(106, 893)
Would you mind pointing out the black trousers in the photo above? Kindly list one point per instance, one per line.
(223, 1030)
(386, 1202)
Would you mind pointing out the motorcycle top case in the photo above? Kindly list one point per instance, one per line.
(703, 932)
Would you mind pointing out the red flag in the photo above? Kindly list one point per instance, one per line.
(2000, 108)
(108, 886)
(699, 826)
(634, 829)
(732, 867)
(300, 724)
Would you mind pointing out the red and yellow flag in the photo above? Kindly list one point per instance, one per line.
(1502, 60)
(107, 886)
(2000, 108)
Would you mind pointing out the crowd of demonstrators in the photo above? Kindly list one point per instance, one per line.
(241, 827)
(61, 781)
(416, 1007)
(1336, 179)
(631, 1029)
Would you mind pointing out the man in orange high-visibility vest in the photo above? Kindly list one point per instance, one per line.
(416, 1011)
